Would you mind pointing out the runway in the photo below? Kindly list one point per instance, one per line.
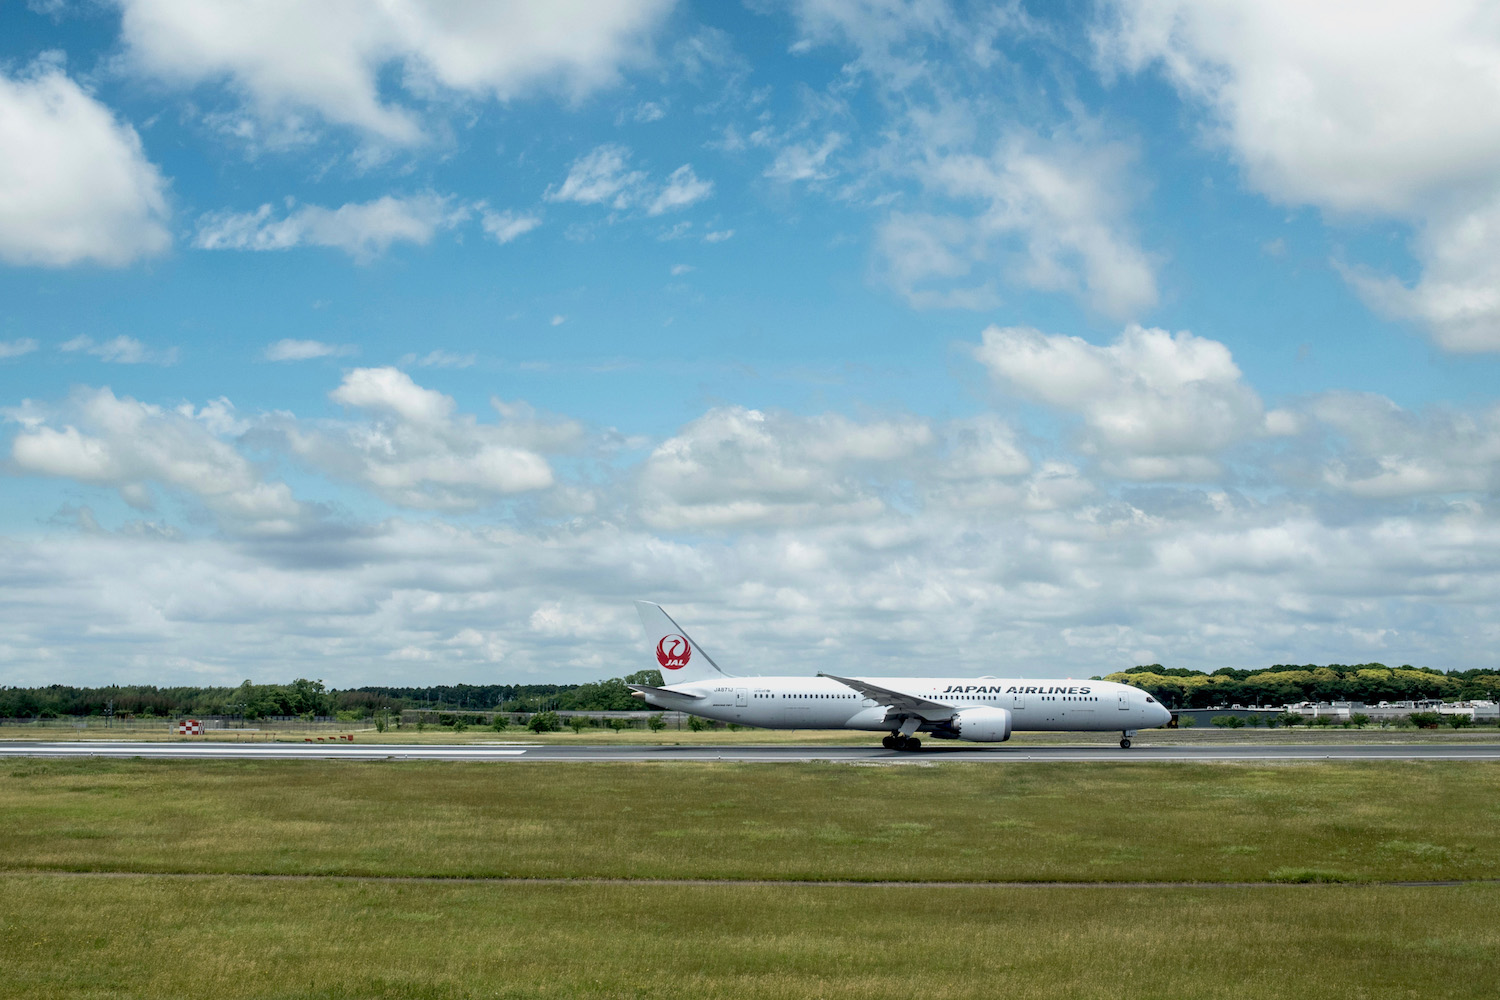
(512, 753)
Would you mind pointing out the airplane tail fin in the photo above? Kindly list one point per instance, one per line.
(678, 655)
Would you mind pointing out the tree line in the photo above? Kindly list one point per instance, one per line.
(1287, 684)
(303, 697)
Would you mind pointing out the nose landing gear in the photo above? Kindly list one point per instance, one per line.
(1125, 738)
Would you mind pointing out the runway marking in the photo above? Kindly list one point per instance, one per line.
(586, 880)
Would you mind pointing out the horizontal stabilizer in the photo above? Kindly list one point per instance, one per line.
(897, 700)
(648, 689)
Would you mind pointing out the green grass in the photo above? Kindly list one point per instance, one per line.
(231, 938)
(1366, 821)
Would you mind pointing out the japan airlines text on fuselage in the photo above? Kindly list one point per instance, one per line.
(985, 710)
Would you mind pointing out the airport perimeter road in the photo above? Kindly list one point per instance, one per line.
(747, 754)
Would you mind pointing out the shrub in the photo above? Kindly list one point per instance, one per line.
(459, 725)
(1360, 720)
(1290, 719)
(1255, 721)
(619, 724)
(544, 722)
(1322, 720)
(696, 724)
(1460, 721)
(1425, 720)
(1272, 721)
(1228, 721)
(499, 723)
(657, 723)
(1186, 721)
(578, 723)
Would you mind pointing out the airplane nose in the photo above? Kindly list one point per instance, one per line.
(1163, 715)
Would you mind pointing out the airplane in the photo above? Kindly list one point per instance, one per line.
(976, 709)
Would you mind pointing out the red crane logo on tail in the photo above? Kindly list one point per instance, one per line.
(673, 652)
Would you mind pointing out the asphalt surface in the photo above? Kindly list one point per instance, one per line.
(942, 753)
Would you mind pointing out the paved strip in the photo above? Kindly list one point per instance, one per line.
(750, 882)
(753, 754)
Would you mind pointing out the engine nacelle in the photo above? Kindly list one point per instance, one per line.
(982, 724)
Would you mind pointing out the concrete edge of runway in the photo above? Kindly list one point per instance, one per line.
(552, 753)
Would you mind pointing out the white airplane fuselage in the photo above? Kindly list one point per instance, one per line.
(823, 703)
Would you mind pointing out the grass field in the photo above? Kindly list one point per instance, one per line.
(1354, 821)
(230, 938)
(220, 933)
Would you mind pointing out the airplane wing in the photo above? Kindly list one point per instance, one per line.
(648, 689)
(895, 699)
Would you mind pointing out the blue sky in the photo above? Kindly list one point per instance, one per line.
(409, 345)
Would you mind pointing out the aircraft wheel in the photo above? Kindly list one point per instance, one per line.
(1125, 743)
(912, 743)
(889, 742)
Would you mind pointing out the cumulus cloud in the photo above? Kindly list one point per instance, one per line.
(1052, 214)
(84, 191)
(121, 350)
(16, 348)
(736, 466)
(822, 540)
(105, 440)
(305, 350)
(503, 227)
(1155, 405)
(415, 450)
(362, 230)
(804, 161)
(1388, 452)
(600, 176)
(1395, 112)
(683, 188)
(333, 59)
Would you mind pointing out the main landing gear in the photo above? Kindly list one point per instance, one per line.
(1125, 738)
(896, 741)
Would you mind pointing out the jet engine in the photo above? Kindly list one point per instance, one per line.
(982, 724)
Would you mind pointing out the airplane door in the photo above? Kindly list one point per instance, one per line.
(741, 697)
(1018, 701)
(1124, 702)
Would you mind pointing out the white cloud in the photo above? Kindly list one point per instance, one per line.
(735, 466)
(683, 189)
(600, 176)
(718, 236)
(1394, 112)
(83, 191)
(1052, 213)
(128, 445)
(439, 359)
(503, 227)
(16, 348)
(362, 230)
(305, 350)
(1388, 452)
(805, 162)
(333, 58)
(416, 451)
(1155, 405)
(119, 350)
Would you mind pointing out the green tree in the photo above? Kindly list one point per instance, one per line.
(499, 723)
(657, 723)
(696, 724)
(1459, 721)
(1290, 719)
(1426, 720)
(578, 723)
(1359, 720)
(545, 722)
